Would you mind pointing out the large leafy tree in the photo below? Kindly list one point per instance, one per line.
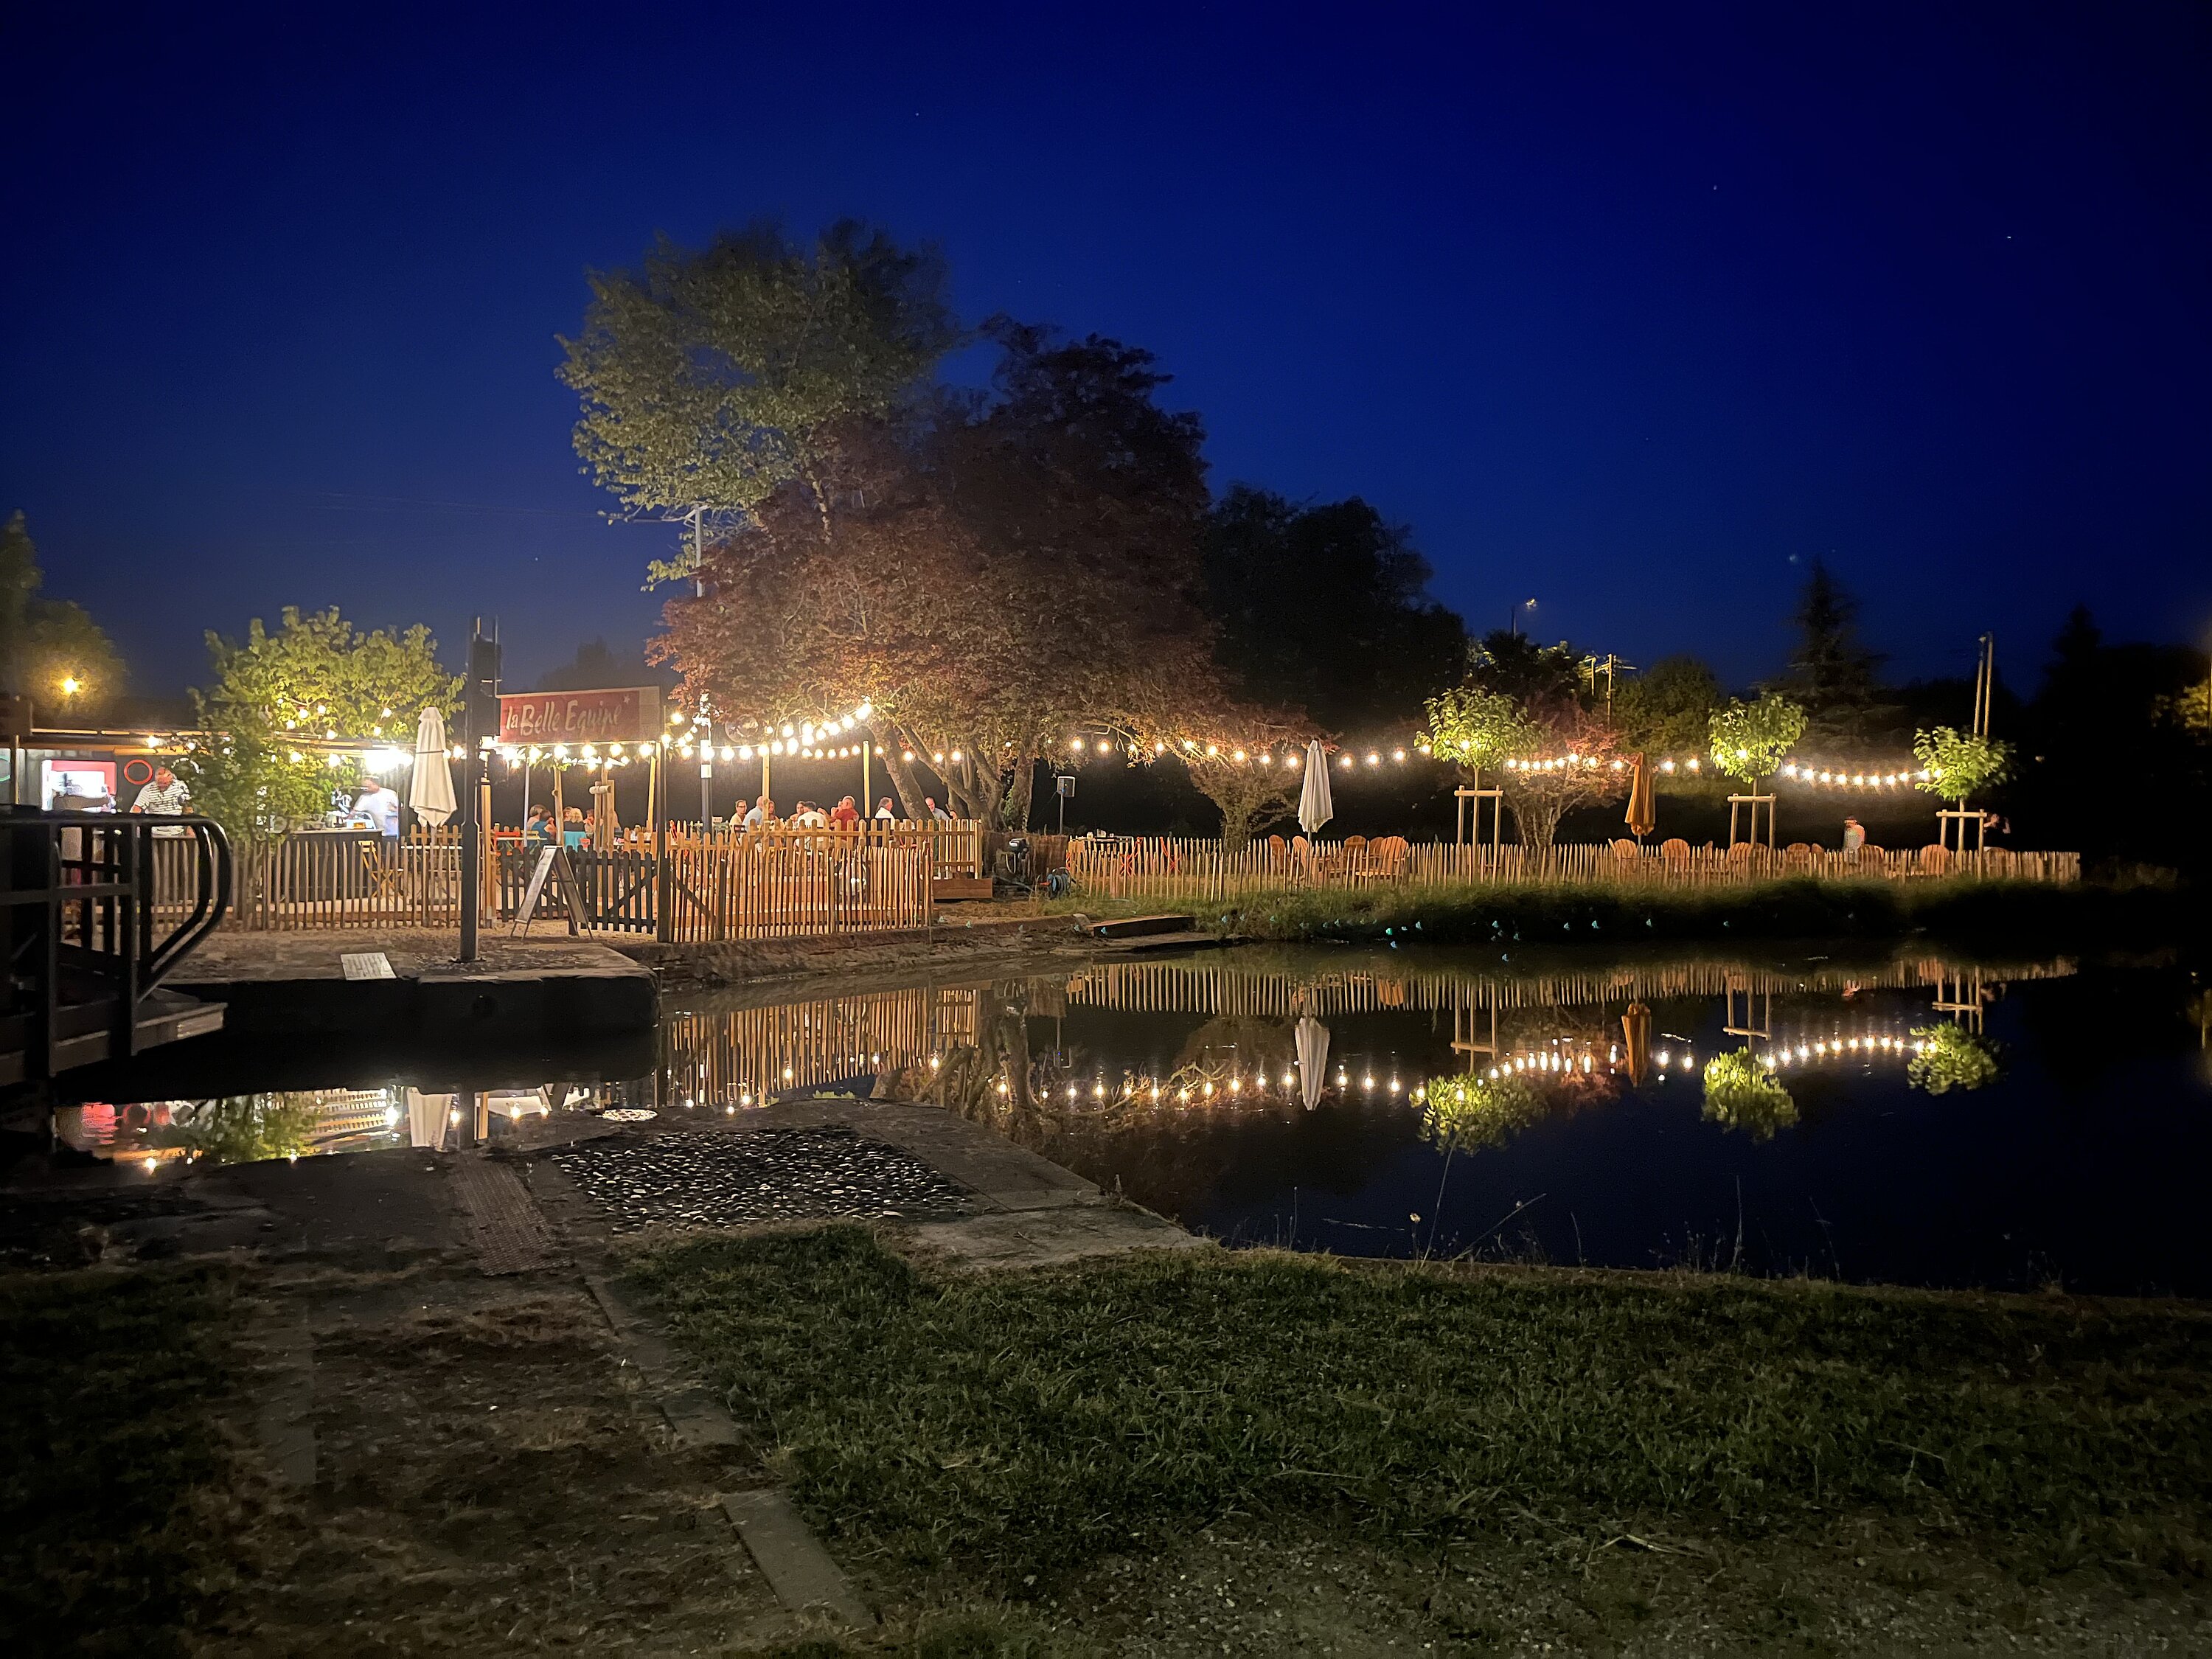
(1016, 566)
(1834, 677)
(1327, 608)
(1531, 674)
(711, 378)
(50, 650)
(258, 766)
(1666, 711)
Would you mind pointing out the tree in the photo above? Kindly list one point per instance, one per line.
(1531, 674)
(1946, 1056)
(1326, 608)
(1251, 797)
(1474, 727)
(1741, 1093)
(987, 580)
(1957, 765)
(1472, 1112)
(50, 650)
(1832, 676)
(258, 766)
(711, 379)
(1750, 740)
(1668, 709)
(2105, 710)
(1575, 762)
(598, 668)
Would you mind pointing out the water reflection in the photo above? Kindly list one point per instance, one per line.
(1917, 1118)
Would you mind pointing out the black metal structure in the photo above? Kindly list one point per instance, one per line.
(96, 911)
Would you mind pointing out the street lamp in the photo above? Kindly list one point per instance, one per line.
(1526, 604)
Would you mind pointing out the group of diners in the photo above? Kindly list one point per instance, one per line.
(763, 814)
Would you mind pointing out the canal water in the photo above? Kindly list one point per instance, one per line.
(1915, 1118)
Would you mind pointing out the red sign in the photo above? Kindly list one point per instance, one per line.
(578, 717)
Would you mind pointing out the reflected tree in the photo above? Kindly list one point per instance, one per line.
(1469, 1113)
(1950, 1057)
(247, 1128)
(1741, 1093)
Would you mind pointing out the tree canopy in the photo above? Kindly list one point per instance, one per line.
(987, 578)
(255, 768)
(1750, 740)
(1669, 709)
(711, 378)
(50, 650)
(1960, 763)
(1326, 608)
(1832, 676)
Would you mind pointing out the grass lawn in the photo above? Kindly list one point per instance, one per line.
(1379, 1456)
(1540, 913)
(116, 1476)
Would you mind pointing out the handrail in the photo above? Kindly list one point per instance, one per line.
(82, 891)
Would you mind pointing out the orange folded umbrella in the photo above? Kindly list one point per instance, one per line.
(1642, 814)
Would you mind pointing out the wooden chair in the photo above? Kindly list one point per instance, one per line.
(1626, 849)
(1676, 851)
(1935, 859)
(1743, 852)
(1386, 859)
(388, 877)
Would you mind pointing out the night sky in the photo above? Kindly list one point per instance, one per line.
(1632, 312)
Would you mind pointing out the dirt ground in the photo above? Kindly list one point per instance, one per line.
(488, 1480)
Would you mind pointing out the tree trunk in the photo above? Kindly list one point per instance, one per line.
(1019, 799)
(891, 750)
(1236, 825)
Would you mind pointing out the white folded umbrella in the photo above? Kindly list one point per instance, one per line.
(430, 792)
(1313, 1059)
(1315, 808)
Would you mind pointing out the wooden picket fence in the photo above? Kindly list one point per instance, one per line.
(789, 884)
(319, 880)
(1172, 868)
(728, 884)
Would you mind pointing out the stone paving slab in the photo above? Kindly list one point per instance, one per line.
(234, 954)
(1051, 1238)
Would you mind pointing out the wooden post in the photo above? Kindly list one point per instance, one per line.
(664, 879)
(488, 890)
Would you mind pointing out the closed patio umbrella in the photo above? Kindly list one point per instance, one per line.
(430, 792)
(1313, 1059)
(1315, 808)
(1642, 814)
(1636, 1031)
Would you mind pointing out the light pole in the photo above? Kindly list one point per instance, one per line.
(1515, 620)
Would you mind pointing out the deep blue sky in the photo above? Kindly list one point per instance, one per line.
(1633, 311)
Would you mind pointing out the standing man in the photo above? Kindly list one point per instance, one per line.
(380, 804)
(165, 798)
(1854, 836)
(936, 812)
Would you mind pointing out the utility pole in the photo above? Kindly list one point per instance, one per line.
(479, 724)
(1985, 685)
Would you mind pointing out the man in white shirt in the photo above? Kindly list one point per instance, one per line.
(380, 807)
(165, 798)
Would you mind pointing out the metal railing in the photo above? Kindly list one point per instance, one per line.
(86, 938)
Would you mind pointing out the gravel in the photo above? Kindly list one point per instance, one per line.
(684, 1178)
